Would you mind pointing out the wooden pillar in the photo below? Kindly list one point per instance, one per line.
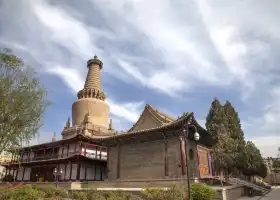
(16, 174)
(70, 171)
(6, 169)
(85, 171)
(209, 163)
(94, 171)
(21, 156)
(75, 151)
(65, 167)
(23, 174)
(85, 149)
(80, 149)
(101, 172)
(68, 150)
(118, 160)
(52, 152)
(198, 162)
(62, 151)
(78, 171)
(96, 152)
(183, 155)
(165, 158)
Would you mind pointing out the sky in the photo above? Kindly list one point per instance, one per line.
(174, 55)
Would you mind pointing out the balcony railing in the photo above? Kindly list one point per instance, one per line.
(99, 155)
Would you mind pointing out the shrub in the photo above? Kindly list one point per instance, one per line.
(26, 192)
(8, 178)
(118, 195)
(201, 191)
(79, 195)
(176, 192)
(101, 195)
(53, 192)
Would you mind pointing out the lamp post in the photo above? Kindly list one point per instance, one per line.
(57, 174)
(196, 138)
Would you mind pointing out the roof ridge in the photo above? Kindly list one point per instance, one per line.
(183, 117)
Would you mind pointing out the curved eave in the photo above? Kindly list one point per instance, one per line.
(78, 137)
(157, 132)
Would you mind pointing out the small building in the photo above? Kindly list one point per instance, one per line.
(159, 147)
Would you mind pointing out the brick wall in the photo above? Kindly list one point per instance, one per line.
(147, 160)
(230, 193)
(234, 193)
(143, 161)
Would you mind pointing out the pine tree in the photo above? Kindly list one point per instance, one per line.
(221, 151)
(216, 126)
(214, 118)
(233, 122)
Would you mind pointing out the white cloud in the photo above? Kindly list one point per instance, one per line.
(70, 76)
(268, 145)
(176, 47)
(64, 30)
(128, 111)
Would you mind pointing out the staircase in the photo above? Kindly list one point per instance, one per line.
(237, 181)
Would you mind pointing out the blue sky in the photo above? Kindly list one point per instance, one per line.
(175, 55)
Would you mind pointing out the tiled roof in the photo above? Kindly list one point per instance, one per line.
(157, 115)
(166, 125)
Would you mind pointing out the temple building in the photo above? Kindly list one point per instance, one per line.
(158, 146)
(77, 156)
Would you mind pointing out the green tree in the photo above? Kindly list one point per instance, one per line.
(233, 127)
(233, 122)
(252, 160)
(215, 118)
(222, 151)
(22, 101)
(276, 163)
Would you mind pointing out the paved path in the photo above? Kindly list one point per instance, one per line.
(273, 195)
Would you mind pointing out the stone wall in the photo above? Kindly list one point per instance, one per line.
(273, 179)
(230, 193)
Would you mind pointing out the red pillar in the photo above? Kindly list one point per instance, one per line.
(85, 150)
(183, 155)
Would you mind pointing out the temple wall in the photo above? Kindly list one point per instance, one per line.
(192, 159)
(112, 163)
(147, 160)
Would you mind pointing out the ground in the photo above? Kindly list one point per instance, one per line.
(273, 195)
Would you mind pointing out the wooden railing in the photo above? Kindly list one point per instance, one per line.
(93, 155)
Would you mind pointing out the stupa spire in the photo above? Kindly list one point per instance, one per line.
(92, 87)
(91, 100)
